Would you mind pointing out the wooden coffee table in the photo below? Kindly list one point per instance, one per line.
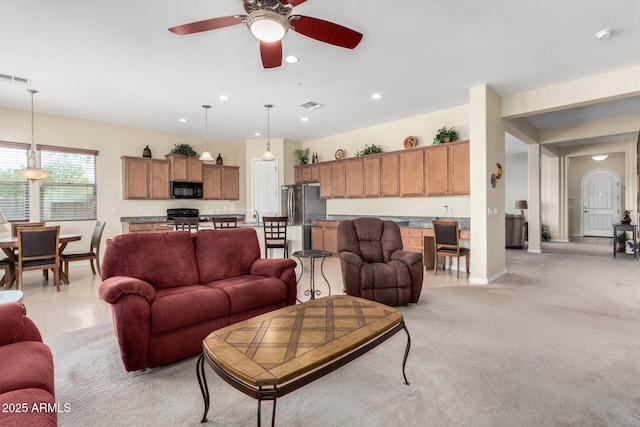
(273, 354)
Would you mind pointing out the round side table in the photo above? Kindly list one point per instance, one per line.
(312, 255)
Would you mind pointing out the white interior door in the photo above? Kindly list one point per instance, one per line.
(601, 200)
(265, 187)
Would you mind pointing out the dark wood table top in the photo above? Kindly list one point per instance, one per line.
(12, 242)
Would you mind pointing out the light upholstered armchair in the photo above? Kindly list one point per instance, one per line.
(374, 266)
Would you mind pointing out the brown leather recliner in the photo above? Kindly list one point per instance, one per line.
(374, 266)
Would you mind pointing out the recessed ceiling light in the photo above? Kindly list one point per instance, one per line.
(376, 96)
(223, 98)
(292, 59)
(183, 120)
(257, 134)
(604, 34)
(600, 157)
(305, 119)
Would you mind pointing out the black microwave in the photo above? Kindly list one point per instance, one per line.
(186, 190)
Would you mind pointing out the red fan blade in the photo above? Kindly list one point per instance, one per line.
(293, 2)
(271, 54)
(206, 25)
(326, 31)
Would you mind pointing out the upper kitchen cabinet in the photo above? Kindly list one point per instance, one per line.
(436, 176)
(221, 182)
(185, 169)
(371, 167)
(305, 174)
(411, 173)
(144, 178)
(338, 179)
(459, 165)
(390, 175)
(354, 177)
(324, 175)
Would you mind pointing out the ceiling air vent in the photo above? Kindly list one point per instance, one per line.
(311, 105)
(15, 80)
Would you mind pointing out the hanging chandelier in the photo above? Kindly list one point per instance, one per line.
(268, 155)
(31, 171)
(206, 155)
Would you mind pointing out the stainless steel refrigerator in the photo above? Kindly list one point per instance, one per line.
(302, 203)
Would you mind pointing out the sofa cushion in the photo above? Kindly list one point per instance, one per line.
(164, 260)
(43, 414)
(250, 292)
(187, 305)
(26, 364)
(222, 254)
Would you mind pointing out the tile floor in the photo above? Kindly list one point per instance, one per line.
(77, 305)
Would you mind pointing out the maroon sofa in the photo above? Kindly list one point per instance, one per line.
(169, 290)
(26, 372)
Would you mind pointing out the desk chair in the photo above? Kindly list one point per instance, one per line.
(186, 223)
(275, 234)
(38, 250)
(230, 222)
(15, 225)
(447, 244)
(92, 254)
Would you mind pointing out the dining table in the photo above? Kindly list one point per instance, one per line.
(9, 246)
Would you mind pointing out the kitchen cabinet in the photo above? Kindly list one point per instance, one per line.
(354, 177)
(324, 174)
(147, 227)
(412, 173)
(144, 178)
(305, 174)
(221, 182)
(185, 169)
(324, 235)
(436, 174)
(390, 175)
(459, 169)
(371, 171)
(297, 174)
(338, 179)
(315, 172)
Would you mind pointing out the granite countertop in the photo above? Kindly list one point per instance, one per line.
(410, 221)
(151, 219)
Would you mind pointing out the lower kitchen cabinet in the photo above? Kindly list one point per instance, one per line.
(146, 227)
(324, 235)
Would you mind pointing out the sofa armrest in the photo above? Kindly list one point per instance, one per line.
(16, 326)
(406, 257)
(114, 288)
(281, 268)
(271, 267)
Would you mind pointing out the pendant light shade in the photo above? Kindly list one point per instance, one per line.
(206, 155)
(31, 171)
(268, 155)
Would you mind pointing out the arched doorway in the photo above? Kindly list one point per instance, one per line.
(601, 200)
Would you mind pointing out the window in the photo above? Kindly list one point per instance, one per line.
(70, 192)
(14, 191)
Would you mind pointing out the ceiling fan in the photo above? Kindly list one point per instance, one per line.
(269, 21)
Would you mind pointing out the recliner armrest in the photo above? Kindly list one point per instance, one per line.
(351, 258)
(114, 288)
(406, 257)
(16, 326)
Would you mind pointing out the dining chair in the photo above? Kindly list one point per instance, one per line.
(15, 225)
(186, 223)
(229, 222)
(275, 234)
(38, 250)
(92, 254)
(5, 265)
(447, 244)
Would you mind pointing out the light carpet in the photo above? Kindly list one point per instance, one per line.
(553, 342)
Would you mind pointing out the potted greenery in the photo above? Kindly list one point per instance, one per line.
(302, 155)
(184, 149)
(373, 149)
(622, 238)
(445, 134)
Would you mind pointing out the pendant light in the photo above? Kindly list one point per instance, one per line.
(268, 155)
(32, 172)
(206, 155)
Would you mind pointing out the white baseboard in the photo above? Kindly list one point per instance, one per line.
(477, 281)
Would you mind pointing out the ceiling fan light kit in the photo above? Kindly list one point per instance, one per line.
(269, 21)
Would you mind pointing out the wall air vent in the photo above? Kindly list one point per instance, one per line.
(311, 105)
(15, 80)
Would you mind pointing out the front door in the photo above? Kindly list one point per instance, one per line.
(601, 200)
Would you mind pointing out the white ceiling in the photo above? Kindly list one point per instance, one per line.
(115, 61)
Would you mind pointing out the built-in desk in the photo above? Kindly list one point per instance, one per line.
(421, 240)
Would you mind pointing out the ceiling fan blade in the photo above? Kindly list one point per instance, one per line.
(326, 31)
(206, 25)
(293, 2)
(271, 54)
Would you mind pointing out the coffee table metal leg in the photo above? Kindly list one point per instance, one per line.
(202, 380)
(267, 394)
(406, 352)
